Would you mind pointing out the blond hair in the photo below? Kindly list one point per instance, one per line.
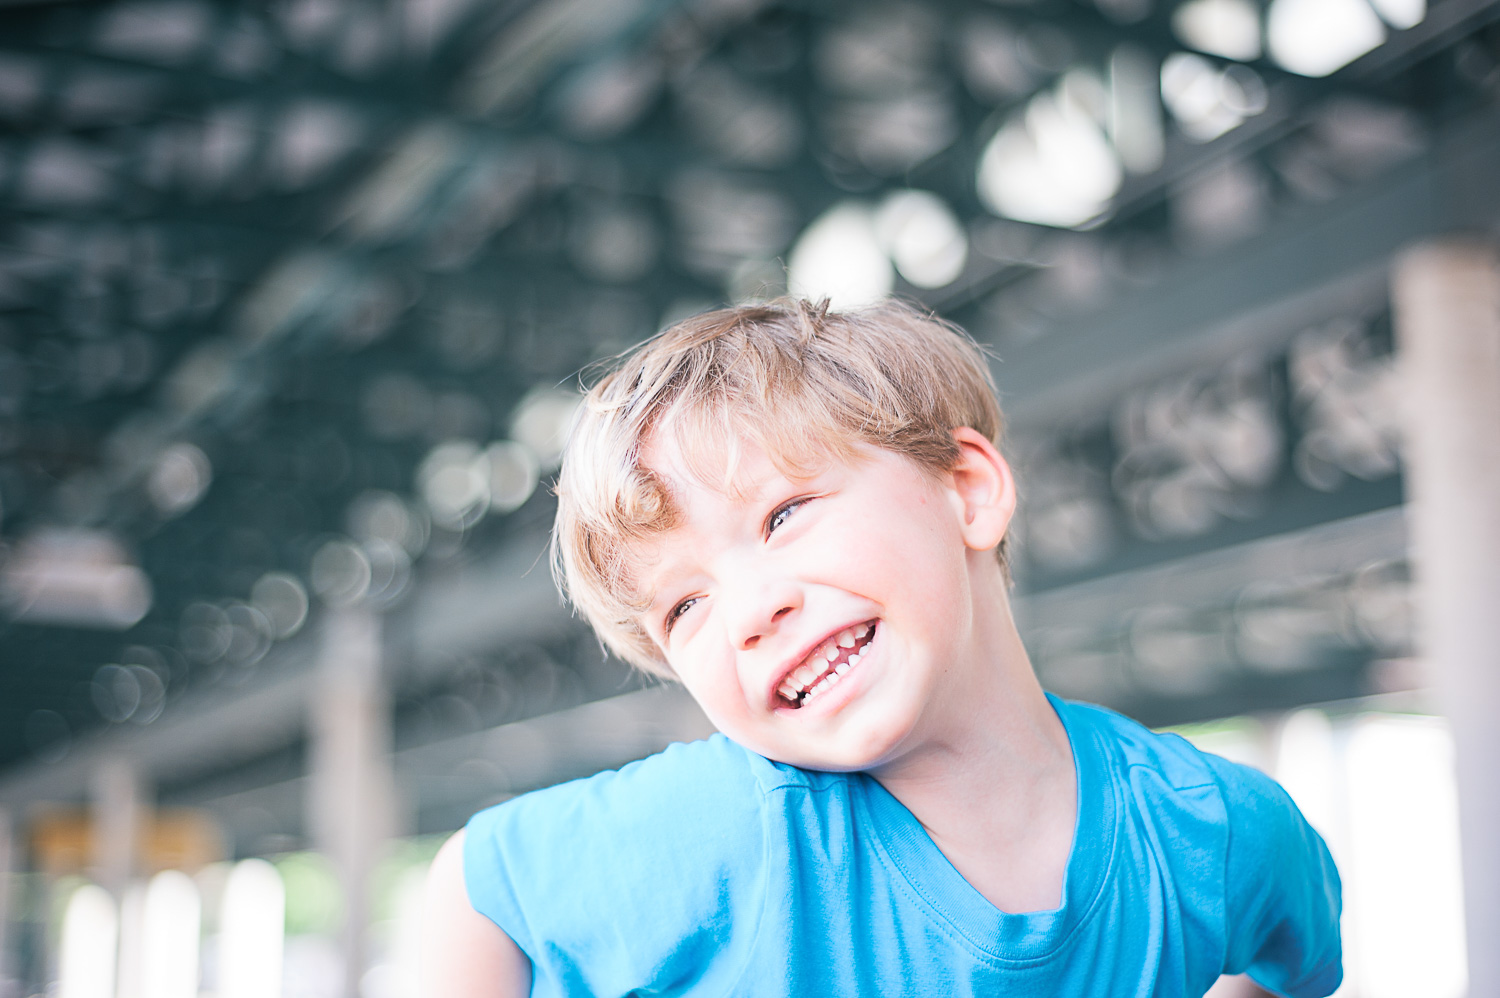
(804, 384)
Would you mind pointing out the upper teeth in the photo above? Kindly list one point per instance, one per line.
(804, 679)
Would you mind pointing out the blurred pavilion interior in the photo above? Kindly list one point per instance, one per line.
(295, 294)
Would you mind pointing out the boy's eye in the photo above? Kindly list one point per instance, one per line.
(781, 513)
(678, 611)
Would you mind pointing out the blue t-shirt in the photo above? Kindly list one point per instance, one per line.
(709, 870)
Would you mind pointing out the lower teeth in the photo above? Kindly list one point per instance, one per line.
(823, 684)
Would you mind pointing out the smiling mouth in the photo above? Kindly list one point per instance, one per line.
(826, 665)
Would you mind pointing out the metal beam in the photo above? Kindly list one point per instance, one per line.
(453, 615)
(449, 779)
(1205, 310)
(1337, 548)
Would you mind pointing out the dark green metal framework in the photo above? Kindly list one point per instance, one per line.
(129, 240)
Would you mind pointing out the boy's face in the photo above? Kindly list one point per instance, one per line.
(855, 584)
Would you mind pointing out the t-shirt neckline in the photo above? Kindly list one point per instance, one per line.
(1005, 936)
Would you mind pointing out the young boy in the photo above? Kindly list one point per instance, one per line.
(800, 516)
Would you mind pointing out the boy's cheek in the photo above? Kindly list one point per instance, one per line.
(708, 683)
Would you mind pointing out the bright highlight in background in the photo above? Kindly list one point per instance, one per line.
(169, 939)
(1307, 768)
(1208, 101)
(839, 257)
(1228, 28)
(1405, 897)
(846, 254)
(1135, 125)
(90, 929)
(923, 238)
(455, 481)
(1317, 37)
(252, 932)
(1053, 166)
(1401, 13)
(400, 974)
(514, 471)
(542, 420)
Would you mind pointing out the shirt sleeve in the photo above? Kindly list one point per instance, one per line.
(1283, 896)
(627, 880)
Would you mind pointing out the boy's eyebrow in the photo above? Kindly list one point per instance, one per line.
(659, 566)
(697, 469)
(651, 598)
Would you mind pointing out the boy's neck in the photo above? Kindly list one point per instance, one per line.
(996, 789)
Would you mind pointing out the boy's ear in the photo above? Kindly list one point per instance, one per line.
(984, 490)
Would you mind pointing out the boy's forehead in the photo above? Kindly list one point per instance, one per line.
(727, 472)
(684, 456)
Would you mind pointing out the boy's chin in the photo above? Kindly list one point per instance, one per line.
(830, 755)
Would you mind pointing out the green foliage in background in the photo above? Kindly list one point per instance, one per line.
(403, 858)
(314, 903)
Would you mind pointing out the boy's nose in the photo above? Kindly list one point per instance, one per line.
(763, 612)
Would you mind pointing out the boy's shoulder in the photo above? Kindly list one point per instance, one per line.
(1127, 744)
(655, 855)
(689, 784)
(1162, 772)
(710, 766)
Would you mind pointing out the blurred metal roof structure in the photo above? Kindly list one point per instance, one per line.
(293, 296)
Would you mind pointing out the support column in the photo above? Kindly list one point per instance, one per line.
(118, 818)
(10, 984)
(118, 821)
(1446, 299)
(350, 805)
